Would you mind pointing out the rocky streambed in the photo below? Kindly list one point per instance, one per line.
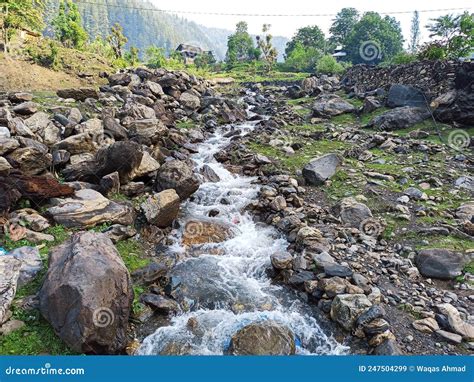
(163, 215)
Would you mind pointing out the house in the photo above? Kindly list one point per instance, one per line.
(339, 53)
(190, 52)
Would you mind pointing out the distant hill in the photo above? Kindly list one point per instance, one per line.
(144, 27)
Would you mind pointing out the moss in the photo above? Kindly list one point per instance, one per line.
(341, 186)
(366, 118)
(132, 253)
(346, 118)
(137, 306)
(185, 124)
(446, 242)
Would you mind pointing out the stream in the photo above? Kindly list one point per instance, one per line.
(231, 289)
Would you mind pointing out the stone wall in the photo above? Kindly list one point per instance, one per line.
(433, 77)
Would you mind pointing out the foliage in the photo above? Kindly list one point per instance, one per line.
(68, 26)
(403, 58)
(155, 57)
(454, 34)
(328, 65)
(414, 33)
(432, 51)
(101, 47)
(132, 56)
(132, 254)
(240, 47)
(20, 14)
(307, 37)
(343, 24)
(205, 60)
(382, 33)
(117, 40)
(302, 59)
(264, 43)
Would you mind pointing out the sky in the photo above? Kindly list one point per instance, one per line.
(287, 26)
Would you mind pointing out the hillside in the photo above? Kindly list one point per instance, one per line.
(145, 27)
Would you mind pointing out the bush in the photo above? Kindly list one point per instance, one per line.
(403, 58)
(328, 65)
(432, 51)
(302, 59)
(155, 57)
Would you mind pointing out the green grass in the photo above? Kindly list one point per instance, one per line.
(132, 254)
(446, 242)
(185, 124)
(346, 118)
(306, 128)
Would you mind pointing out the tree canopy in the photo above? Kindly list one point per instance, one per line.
(343, 24)
(68, 25)
(240, 47)
(308, 37)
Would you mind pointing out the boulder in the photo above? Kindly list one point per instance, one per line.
(455, 106)
(455, 322)
(30, 160)
(426, 325)
(329, 105)
(179, 176)
(311, 238)
(31, 263)
(440, 263)
(9, 273)
(321, 169)
(370, 104)
(88, 208)
(281, 260)
(354, 213)
(265, 338)
(405, 95)
(346, 308)
(87, 294)
(190, 100)
(161, 208)
(26, 108)
(79, 94)
(206, 231)
(399, 118)
(160, 303)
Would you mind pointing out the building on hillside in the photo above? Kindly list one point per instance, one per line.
(190, 52)
(339, 53)
(18, 38)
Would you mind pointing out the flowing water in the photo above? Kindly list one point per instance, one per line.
(228, 290)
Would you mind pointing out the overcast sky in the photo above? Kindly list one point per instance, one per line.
(287, 26)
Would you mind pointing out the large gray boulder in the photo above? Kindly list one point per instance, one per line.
(440, 263)
(321, 169)
(455, 106)
(87, 294)
(354, 213)
(161, 208)
(265, 338)
(405, 95)
(329, 105)
(346, 308)
(178, 176)
(400, 118)
(9, 273)
(31, 263)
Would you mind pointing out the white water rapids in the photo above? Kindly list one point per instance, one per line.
(231, 289)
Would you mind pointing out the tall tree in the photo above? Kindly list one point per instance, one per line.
(68, 25)
(343, 24)
(454, 34)
(308, 37)
(19, 14)
(117, 40)
(264, 43)
(240, 46)
(374, 38)
(414, 33)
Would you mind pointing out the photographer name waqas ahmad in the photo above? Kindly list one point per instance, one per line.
(442, 369)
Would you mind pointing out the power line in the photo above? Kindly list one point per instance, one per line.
(256, 14)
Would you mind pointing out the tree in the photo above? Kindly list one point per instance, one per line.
(302, 59)
(18, 14)
(240, 47)
(132, 56)
(343, 24)
(308, 37)
(204, 60)
(264, 43)
(117, 40)
(454, 34)
(414, 33)
(155, 57)
(374, 38)
(328, 65)
(68, 26)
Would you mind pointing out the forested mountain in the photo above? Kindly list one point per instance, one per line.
(145, 27)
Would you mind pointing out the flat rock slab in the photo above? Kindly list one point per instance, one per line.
(89, 208)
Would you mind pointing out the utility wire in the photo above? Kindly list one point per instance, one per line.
(154, 9)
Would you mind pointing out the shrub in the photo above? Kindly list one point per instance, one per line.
(328, 65)
(404, 58)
